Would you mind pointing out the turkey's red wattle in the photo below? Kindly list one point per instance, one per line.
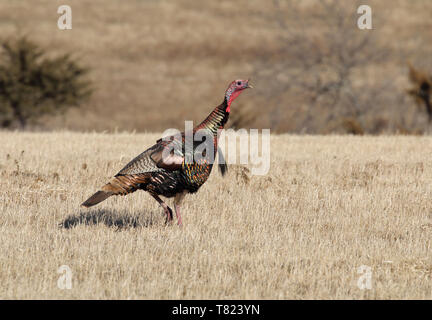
(233, 95)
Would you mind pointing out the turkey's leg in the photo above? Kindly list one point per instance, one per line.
(177, 201)
(177, 210)
(168, 211)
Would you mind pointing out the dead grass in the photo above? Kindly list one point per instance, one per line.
(328, 205)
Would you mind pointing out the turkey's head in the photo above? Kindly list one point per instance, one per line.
(233, 91)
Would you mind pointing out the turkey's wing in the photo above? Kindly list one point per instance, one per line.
(157, 158)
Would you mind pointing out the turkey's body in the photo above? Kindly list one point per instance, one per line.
(170, 168)
(145, 174)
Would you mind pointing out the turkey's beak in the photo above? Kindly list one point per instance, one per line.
(249, 85)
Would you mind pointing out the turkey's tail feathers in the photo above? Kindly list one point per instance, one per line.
(223, 167)
(119, 185)
(96, 198)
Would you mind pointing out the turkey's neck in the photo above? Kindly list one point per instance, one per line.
(216, 119)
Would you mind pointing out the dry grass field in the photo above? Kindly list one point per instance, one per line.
(328, 205)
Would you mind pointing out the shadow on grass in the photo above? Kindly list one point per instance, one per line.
(109, 218)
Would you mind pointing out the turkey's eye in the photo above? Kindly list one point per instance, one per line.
(239, 83)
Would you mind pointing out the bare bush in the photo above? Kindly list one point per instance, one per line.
(244, 117)
(327, 63)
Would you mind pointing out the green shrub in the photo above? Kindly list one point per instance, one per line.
(32, 84)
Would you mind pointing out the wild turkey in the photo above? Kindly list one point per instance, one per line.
(166, 169)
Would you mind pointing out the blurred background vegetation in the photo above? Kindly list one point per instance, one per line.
(150, 65)
(32, 85)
